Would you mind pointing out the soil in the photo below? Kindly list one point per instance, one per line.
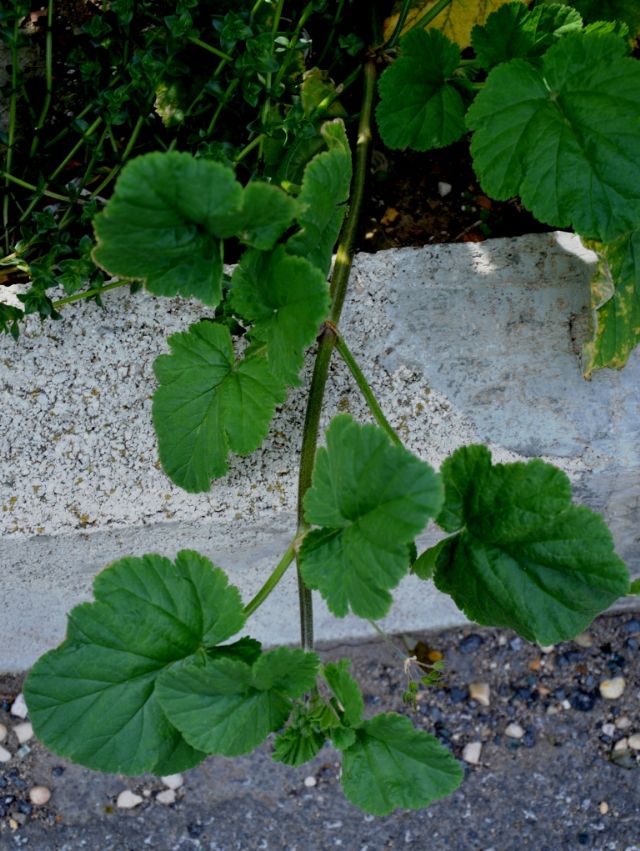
(422, 198)
(566, 784)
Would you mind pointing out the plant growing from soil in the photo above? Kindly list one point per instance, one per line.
(157, 672)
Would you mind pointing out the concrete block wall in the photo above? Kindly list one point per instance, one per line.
(463, 343)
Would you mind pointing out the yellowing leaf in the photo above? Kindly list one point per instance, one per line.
(456, 20)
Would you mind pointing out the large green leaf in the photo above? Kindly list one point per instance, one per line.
(419, 107)
(392, 765)
(94, 698)
(615, 297)
(523, 557)
(165, 222)
(169, 214)
(226, 707)
(208, 404)
(286, 298)
(565, 136)
(371, 498)
(514, 31)
(322, 199)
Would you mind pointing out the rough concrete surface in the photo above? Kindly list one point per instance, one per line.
(570, 782)
(463, 343)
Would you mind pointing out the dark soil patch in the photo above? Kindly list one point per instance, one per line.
(419, 199)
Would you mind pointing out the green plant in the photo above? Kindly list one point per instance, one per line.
(147, 679)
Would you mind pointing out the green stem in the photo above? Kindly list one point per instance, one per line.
(90, 293)
(365, 389)
(339, 285)
(248, 148)
(48, 79)
(402, 17)
(19, 182)
(273, 580)
(433, 12)
(125, 155)
(233, 85)
(83, 138)
(210, 49)
(13, 106)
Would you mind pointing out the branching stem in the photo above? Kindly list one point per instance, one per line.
(278, 572)
(340, 281)
(365, 389)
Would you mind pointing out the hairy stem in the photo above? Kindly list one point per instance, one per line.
(365, 389)
(339, 285)
(278, 572)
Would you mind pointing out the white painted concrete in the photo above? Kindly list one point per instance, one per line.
(463, 343)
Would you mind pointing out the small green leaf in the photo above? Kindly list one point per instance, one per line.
(286, 298)
(94, 698)
(565, 136)
(267, 212)
(627, 11)
(346, 691)
(297, 745)
(634, 587)
(419, 108)
(322, 199)
(164, 224)
(371, 498)
(524, 557)
(208, 404)
(392, 765)
(514, 31)
(425, 565)
(224, 706)
(342, 737)
(615, 297)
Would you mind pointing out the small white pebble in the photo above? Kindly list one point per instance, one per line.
(634, 742)
(565, 704)
(547, 648)
(5, 756)
(621, 745)
(310, 782)
(168, 796)
(39, 795)
(173, 781)
(480, 692)
(444, 188)
(514, 731)
(609, 730)
(502, 640)
(19, 707)
(612, 689)
(23, 732)
(583, 640)
(3, 732)
(127, 800)
(553, 710)
(622, 723)
(603, 808)
(471, 752)
(146, 793)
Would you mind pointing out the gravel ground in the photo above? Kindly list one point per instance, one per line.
(558, 768)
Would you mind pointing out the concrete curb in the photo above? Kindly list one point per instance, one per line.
(463, 343)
